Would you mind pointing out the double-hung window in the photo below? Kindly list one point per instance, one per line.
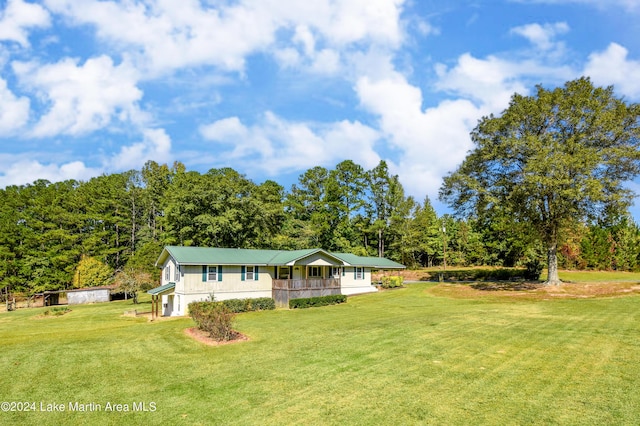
(212, 273)
(251, 273)
(167, 273)
(176, 277)
(335, 272)
(359, 273)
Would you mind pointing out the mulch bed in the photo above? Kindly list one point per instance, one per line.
(203, 337)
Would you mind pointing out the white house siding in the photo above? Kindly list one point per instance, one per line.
(191, 288)
(350, 285)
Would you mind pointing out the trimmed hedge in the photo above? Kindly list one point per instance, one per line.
(481, 274)
(310, 302)
(249, 305)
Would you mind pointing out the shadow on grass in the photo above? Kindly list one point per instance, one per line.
(506, 286)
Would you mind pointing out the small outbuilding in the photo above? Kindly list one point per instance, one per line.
(82, 296)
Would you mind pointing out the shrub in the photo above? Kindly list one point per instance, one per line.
(248, 305)
(263, 304)
(533, 270)
(213, 318)
(392, 282)
(310, 302)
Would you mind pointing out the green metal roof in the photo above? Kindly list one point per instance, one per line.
(162, 289)
(371, 262)
(231, 256)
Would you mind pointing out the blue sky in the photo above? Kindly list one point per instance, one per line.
(274, 87)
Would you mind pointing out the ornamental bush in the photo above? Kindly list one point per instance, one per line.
(213, 318)
(392, 282)
(310, 302)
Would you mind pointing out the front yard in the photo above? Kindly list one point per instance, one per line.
(420, 354)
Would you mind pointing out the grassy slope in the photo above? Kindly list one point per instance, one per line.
(399, 357)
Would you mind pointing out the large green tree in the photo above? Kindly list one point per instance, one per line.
(551, 159)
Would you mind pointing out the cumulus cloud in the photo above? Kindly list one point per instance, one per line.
(281, 145)
(431, 142)
(155, 145)
(168, 35)
(18, 170)
(80, 98)
(542, 36)
(14, 111)
(18, 17)
(612, 66)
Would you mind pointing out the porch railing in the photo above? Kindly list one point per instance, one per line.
(285, 290)
(306, 284)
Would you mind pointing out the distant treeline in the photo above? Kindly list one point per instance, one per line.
(124, 220)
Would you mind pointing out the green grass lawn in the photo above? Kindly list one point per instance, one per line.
(404, 356)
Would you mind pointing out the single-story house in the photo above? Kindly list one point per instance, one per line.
(201, 273)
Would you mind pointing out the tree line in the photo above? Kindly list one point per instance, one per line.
(59, 235)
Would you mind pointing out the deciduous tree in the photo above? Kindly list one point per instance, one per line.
(550, 159)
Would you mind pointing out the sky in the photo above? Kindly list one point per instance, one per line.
(272, 88)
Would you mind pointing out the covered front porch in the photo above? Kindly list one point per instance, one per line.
(296, 282)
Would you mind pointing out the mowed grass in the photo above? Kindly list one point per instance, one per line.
(406, 356)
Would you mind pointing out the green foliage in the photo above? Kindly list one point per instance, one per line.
(213, 318)
(123, 220)
(550, 159)
(533, 270)
(476, 274)
(92, 273)
(132, 282)
(249, 305)
(311, 302)
(392, 281)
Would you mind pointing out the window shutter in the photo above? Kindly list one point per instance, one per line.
(255, 272)
(343, 270)
(219, 272)
(243, 273)
(355, 273)
(204, 273)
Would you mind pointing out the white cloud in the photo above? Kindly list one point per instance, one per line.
(613, 66)
(431, 142)
(18, 16)
(18, 170)
(542, 36)
(489, 81)
(14, 111)
(155, 145)
(167, 35)
(282, 145)
(81, 98)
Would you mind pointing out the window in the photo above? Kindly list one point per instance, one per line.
(177, 274)
(315, 272)
(284, 273)
(335, 272)
(212, 273)
(359, 273)
(167, 273)
(250, 273)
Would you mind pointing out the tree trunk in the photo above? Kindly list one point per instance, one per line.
(552, 265)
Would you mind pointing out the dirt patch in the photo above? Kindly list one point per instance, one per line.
(203, 337)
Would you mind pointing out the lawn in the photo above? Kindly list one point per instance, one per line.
(407, 356)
